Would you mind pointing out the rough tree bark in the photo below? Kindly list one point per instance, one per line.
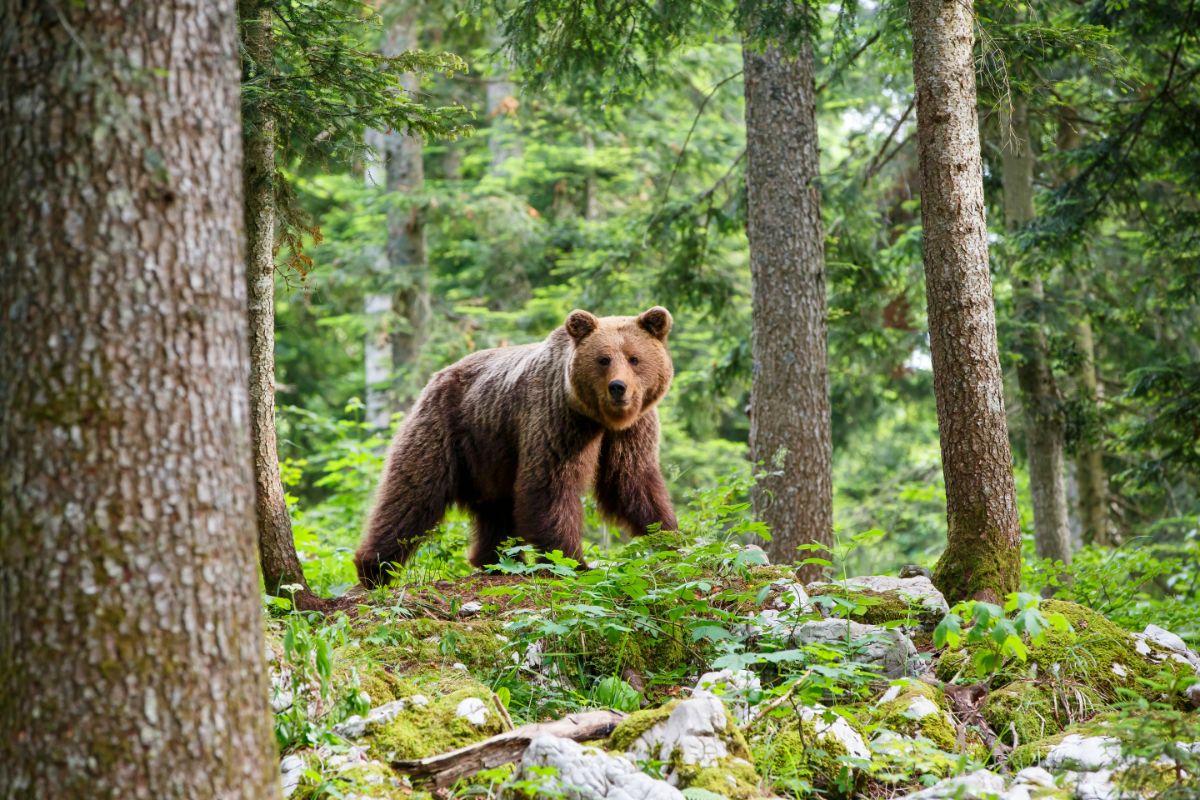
(1089, 455)
(276, 545)
(982, 556)
(790, 414)
(404, 154)
(1040, 401)
(130, 625)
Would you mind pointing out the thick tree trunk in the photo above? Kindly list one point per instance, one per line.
(983, 549)
(130, 624)
(790, 415)
(1089, 456)
(277, 549)
(1043, 419)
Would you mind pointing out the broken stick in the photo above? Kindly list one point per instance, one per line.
(505, 748)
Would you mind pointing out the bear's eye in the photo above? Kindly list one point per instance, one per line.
(605, 361)
(633, 360)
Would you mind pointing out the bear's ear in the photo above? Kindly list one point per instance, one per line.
(579, 324)
(656, 322)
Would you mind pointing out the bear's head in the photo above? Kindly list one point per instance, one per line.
(620, 367)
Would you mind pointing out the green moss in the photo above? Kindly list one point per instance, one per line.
(1028, 711)
(734, 778)
(637, 723)
(477, 644)
(1094, 656)
(936, 727)
(977, 564)
(795, 752)
(421, 731)
(1027, 755)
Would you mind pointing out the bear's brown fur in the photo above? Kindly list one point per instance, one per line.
(514, 435)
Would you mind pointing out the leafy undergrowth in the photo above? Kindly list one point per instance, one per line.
(418, 669)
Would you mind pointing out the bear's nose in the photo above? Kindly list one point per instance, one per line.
(616, 389)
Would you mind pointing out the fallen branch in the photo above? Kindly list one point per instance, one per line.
(505, 748)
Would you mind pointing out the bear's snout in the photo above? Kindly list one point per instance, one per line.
(616, 389)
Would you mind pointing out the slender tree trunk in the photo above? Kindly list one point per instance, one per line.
(501, 102)
(130, 623)
(406, 230)
(1044, 429)
(983, 549)
(277, 549)
(790, 415)
(1089, 456)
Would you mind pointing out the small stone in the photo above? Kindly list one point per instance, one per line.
(1164, 638)
(839, 730)
(1119, 669)
(734, 687)
(1084, 753)
(291, 769)
(981, 784)
(355, 726)
(458, 665)
(470, 609)
(419, 700)
(473, 710)
(915, 571)
(921, 707)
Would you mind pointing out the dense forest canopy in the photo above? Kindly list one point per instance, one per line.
(919, 515)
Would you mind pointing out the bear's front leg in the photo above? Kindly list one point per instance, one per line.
(629, 482)
(548, 512)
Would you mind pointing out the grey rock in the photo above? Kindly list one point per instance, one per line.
(887, 649)
(692, 733)
(356, 726)
(918, 590)
(734, 687)
(291, 768)
(915, 571)
(585, 773)
(1084, 753)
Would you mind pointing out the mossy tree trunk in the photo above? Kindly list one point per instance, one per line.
(130, 624)
(790, 413)
(1040, 401)
(276, 545)
(983, 548)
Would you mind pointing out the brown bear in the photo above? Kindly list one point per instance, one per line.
(515, 435)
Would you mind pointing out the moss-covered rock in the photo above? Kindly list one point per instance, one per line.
(880, 599)
(1029, 711)
(420, 642)
(430, 722)
(1096, 654)
(914, 708)
(812, 750)
(698, 741)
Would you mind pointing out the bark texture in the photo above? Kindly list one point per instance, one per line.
(276, 545)
(1040, 401)
(790, 414)
(1089, 456)
(404, 154)
(982, 556)
(130, 625)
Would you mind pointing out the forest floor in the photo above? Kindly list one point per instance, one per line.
(695, 669)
